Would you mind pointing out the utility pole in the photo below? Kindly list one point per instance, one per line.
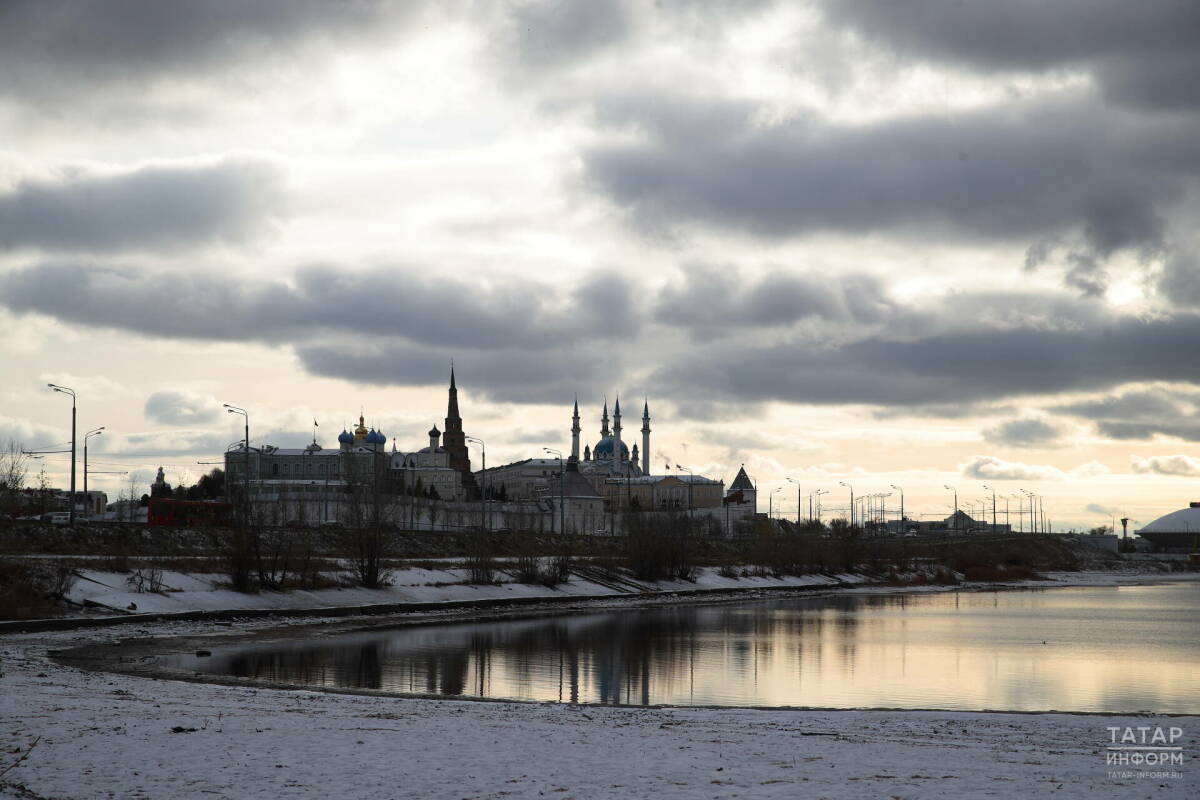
(851, 488)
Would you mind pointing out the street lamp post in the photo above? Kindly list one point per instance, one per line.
(65, 390)
(901, 491)
(246, 476)
(86, 497)
(993, 491)
(818, 494)
(691, 480)
(771, 502)
(951, 488)
(1029, 495)
(851, 488)
(799, 502)
(483, 521)
(562, 525)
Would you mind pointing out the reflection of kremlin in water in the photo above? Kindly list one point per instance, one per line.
(631, 657)
(966, 650)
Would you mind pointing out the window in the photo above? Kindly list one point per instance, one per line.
(274, 469)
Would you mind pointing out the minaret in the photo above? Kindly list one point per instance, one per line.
(604, 420)
(617, 430)
(646, 438)
(575, 429)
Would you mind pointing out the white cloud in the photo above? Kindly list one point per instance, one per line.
(1091, 469)
(181, 407)
(1165, 465)
(997, 469)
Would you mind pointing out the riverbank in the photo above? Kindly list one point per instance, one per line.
(96, 596)
(104, 734)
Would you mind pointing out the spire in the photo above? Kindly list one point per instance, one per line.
(617, 453)
(575, 431)
(452, 402)
(604, 419)
(645, 438)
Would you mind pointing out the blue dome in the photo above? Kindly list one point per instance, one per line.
(345, 437)
(375, 437)
(604, 448)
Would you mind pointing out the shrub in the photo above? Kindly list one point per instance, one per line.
(145, 579)
(30, 590)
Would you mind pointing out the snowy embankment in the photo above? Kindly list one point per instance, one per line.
(102, 735)
(110, 592)
(183, 592)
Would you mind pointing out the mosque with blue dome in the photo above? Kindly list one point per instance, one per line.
(610, 456)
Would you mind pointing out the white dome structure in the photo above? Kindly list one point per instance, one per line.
(1178, 529)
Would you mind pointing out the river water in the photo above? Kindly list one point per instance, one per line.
(1101, 649)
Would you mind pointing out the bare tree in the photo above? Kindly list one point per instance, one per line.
(369, 519)
(14, 466)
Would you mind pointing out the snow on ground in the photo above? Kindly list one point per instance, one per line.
(199, 592)
(105, 735)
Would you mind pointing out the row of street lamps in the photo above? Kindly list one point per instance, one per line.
(874, 505)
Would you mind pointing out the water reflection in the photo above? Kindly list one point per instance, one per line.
(1103, 649)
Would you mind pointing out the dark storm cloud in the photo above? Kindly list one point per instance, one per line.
(410, 303)
(155, 207)
(548, 34)
(1142, 54)
(52, 48)
(1026, 172)
(1179, 281)
(970, 365)
(942, 411)
(504, 375)
(711, 298)
(1142, 413)
(1024, 433)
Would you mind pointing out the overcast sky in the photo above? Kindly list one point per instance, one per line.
(922, 243)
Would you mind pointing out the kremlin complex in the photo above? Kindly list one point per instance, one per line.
(435, 487)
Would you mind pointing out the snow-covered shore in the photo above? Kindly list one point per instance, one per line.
(115, 735)
(184, 592)
(192, 592)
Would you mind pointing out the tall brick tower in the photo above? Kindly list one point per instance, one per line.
(454, 440)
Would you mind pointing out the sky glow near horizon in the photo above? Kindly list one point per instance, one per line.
(921, 244)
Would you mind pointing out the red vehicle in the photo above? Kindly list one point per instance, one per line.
(189, 513)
